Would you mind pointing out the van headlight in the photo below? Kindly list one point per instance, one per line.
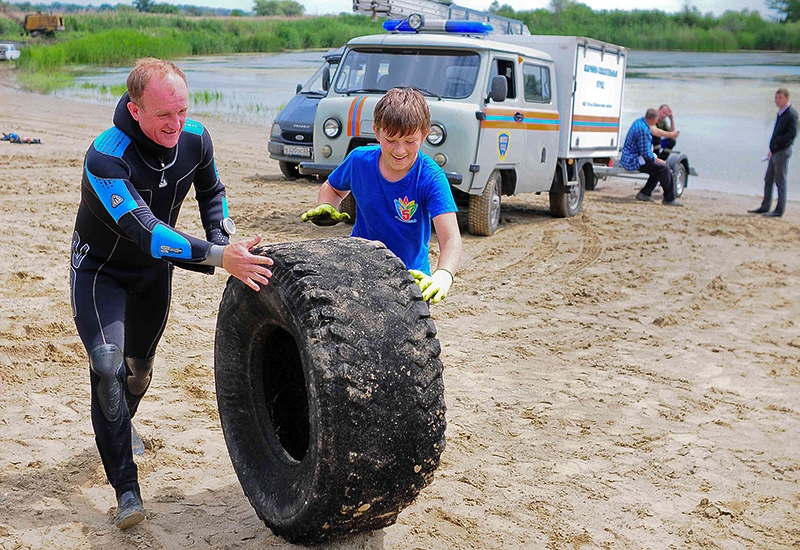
(332, 127)
(437, 135)
(276, 130)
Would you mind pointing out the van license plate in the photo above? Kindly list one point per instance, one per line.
(297, 151)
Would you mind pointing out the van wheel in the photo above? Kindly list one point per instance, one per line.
(565, 205)
(681, 178)
(329, 388)
(289, 169)
(484, 209)
(348, 205)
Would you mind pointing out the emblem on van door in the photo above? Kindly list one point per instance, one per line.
(503, 138)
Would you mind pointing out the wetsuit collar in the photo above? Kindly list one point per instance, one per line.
(125, 122)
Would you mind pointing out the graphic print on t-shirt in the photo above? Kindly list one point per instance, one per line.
(405, 210)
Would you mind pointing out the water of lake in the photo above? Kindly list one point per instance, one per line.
(723, 102)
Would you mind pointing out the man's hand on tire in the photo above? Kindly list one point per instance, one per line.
(434, 287)
(325, 214)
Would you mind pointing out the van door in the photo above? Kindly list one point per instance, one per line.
(542, 126)
(501, 142)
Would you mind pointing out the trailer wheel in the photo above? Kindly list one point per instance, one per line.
(484, 209)
(329, 387)
(681, 178)
(565, 205)
(289, 169)
(348, 205)
(590, 178)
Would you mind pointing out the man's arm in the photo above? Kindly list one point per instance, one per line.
(659, 133)
(785, 132)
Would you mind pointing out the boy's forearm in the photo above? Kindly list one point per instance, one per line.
(448, 259)
(450, 245)
(329, 195)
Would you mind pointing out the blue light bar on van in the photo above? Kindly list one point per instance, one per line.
(439, 25)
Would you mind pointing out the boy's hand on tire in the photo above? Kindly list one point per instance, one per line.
(324, 214)
(433, 287)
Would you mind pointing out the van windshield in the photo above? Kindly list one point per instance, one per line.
(450, 74)
(314, 84)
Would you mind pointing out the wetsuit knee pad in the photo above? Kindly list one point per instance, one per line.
(106, 362)
(138, 374)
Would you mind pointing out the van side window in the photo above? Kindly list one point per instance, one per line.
(536, 80)
(505, 68)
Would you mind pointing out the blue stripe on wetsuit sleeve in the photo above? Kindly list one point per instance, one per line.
(167, 243)
(114, 195)
(224, 207)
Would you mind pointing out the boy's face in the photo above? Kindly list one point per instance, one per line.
(399, 152)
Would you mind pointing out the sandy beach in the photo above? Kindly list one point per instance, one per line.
(625, 379)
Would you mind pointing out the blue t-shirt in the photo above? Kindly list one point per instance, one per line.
(396, 213)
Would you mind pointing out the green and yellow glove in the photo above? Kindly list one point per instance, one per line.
(325, 214)
(433, 287)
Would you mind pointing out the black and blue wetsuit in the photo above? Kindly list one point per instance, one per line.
(124, 248)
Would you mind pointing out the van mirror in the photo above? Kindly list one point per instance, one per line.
(297, 90)
(499, 91)
(326, 77)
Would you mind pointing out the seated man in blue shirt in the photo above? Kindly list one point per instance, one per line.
(637, 154)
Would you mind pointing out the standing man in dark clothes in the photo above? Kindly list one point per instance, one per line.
(780, 149)
(136, 175)
(637, 154)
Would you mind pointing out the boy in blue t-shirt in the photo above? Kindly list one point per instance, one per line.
(398, 191)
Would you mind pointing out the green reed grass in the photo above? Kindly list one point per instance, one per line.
(118, 38)
(206, 97)
(44, 82)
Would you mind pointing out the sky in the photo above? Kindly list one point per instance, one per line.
(319, 7)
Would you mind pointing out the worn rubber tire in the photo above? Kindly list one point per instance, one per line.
(681, 178)
(348, 205)
(484, 209)
(590, 179)
(329, 388)
(566, 205)
(289, 169)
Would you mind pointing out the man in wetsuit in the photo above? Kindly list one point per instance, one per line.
(125, 245)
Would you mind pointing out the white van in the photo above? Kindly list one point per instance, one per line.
(509, 113)
(8, 51)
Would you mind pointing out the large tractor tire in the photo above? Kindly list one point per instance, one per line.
(329, 387)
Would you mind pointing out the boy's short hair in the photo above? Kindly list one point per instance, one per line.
(402, 111)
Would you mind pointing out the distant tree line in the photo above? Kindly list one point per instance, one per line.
(260, 7)
(645, 29)
(687, 30)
